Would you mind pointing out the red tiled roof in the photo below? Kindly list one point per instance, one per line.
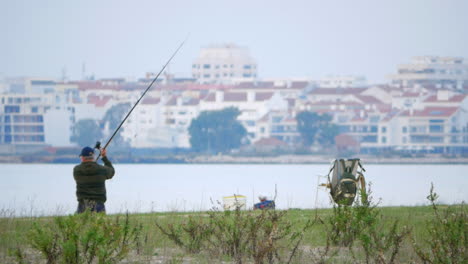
(98, 101)
(94, 85)
(368, 99)
(235, 97)
(211, 97)
(192, 101)
(258, 85)
(299, 85)
(343, 91)
(411, 94)
(432, 112)
(263, 96)
(151, 100)
(194, 86)
(454, 99)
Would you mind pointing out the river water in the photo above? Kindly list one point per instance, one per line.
(49, 189)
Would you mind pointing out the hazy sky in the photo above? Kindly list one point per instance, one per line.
(288, 38)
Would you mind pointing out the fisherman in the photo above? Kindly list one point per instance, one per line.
(264, 203)
(90, 180)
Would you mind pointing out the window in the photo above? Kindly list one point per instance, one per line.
(12, 108)
(246, 75)
(276, 119)
(250, 123)
(374, 119)
(206, 66)
(206, 75)
(404, 129)
(277, 129)
(384, 140)
(369, 139)
(436, 139)
(436, 129)
(384, 129)
(247, 67)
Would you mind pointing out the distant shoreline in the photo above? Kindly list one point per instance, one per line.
(225, 159)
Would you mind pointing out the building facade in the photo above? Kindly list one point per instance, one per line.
(442, 72)
(224, 64)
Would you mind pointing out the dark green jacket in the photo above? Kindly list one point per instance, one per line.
(90, 180)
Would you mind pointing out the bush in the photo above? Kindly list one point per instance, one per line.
(361, 229)
(262, 236)
(448, 233)
(84, 238)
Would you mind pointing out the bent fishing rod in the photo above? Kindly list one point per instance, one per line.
(98, 144)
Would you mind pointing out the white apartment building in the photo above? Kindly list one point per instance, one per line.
(281, 125)
(443, 72)
(434, 129)
(34, 121)
(224, 64)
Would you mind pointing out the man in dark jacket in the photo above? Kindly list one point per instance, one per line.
(90, 180)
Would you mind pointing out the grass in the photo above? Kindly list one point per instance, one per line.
(295, 236)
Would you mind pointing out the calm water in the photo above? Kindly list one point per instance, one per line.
(43, 189)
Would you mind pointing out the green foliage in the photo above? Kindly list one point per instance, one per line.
(216, 131)
(189, 235)
(361, 228)
(112, 120)
(316, 128)
(86, 132)
(448, 234)
(84, 238)
(261, 236)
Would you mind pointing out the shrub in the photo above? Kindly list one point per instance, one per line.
(84, 238)
(448, 234)
(261, 236)
(361, 228)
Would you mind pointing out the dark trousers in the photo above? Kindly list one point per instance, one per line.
(90, 205)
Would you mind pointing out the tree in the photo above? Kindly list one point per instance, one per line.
(327, 135)
(316, 128)
(112, 119)
(216, 131)
(86, 132)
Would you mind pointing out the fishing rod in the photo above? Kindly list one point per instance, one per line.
(98, 144)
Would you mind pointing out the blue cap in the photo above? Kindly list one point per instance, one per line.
(87, 152)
